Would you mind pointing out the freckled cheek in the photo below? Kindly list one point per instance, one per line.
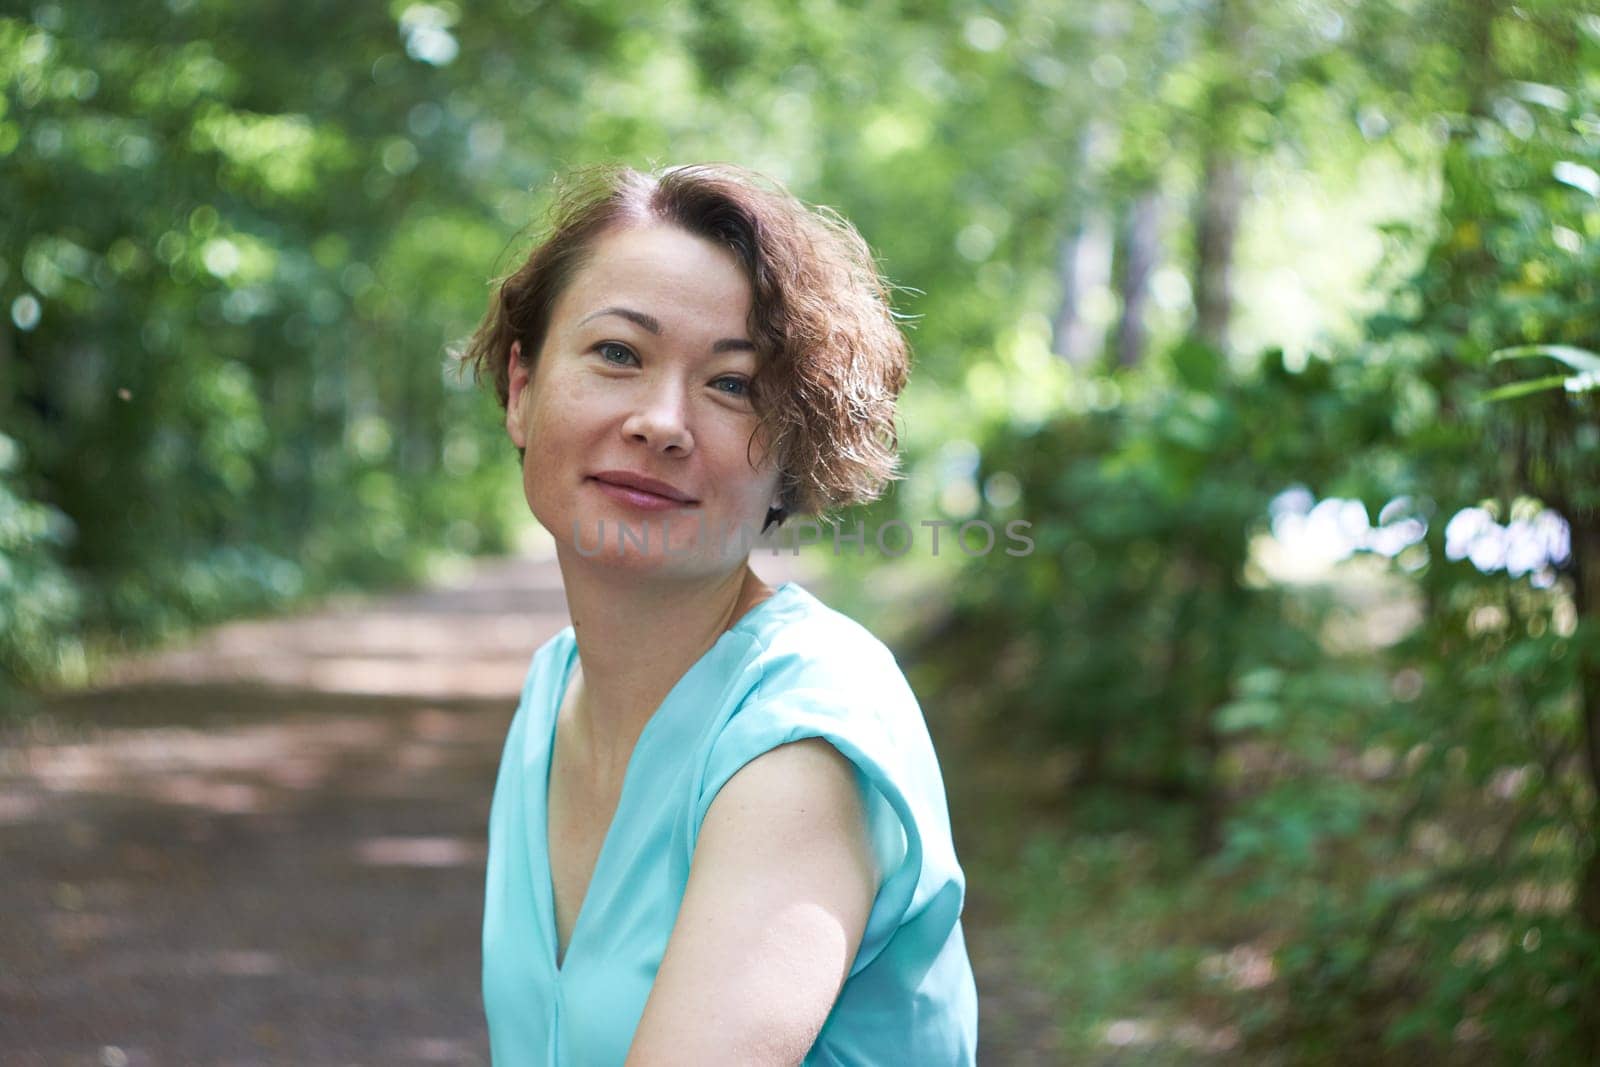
(560, 438)
(564, 410)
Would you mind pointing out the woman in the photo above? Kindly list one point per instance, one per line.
(719, 833)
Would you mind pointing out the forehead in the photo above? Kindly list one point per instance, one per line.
(666, 272)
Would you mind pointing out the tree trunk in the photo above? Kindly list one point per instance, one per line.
(1216, 218)
(1083, 263)
(1216, 229)
(1139, 252)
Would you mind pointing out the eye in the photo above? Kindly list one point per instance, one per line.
(740, 386)
(613, 353)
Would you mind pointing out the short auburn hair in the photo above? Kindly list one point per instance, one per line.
(832, 358)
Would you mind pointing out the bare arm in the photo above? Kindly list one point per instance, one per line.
(779, 891)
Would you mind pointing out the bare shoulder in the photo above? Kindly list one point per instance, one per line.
(800, 775)
(780, 888)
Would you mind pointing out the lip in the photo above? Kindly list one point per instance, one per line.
(640, 483)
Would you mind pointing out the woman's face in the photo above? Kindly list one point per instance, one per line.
(645, 375)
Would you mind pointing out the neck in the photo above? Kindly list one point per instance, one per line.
(637, 636)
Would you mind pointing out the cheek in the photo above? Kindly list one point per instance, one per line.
(746, 468)
(552, 438)
(755, 453)
(554, 412)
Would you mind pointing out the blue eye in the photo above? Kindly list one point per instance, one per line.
(606, 348)
(741, 386)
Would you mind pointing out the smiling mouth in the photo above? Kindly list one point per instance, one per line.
(644, 495)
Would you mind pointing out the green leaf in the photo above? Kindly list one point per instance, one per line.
(1579, 359)
(1533, 385)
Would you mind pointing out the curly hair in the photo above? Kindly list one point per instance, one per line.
(832, 357)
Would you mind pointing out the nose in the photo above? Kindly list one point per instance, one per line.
(660, 420)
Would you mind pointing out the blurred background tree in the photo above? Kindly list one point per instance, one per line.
(1302, 678)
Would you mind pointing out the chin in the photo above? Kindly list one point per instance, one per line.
(680, 544)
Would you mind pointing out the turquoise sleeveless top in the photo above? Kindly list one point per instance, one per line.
(791, 668)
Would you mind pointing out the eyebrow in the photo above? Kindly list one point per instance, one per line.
(653, 325)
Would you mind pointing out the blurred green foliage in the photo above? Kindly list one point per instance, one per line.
(244, 236)
(230, 277)
(1135, 620)
(39, 603)
(1413, 803)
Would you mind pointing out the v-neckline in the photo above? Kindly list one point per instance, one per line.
(559, 956)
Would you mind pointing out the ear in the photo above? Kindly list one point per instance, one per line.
(520, 375)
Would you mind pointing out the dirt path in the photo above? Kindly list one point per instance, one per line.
(268, 847)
